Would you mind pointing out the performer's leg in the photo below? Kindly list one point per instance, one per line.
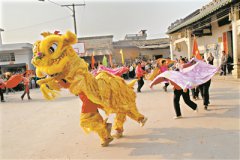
(118, 124)
(197, 92)
(176, 99)
(206, 92)
(188, 101)
(225, 69)
(200, 87)
(165, 87)
(121, 118)
(139, 86)
(94, 122)
(193, 93)
(28, 92)
(23, 94)
(1, 93)
(142, 82)
(135, 115)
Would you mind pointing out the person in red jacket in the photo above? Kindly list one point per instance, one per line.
(139, 74)
(26, 86)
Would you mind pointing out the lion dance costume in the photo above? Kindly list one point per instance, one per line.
(59, 66)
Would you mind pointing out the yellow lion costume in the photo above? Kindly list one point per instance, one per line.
(59, 66)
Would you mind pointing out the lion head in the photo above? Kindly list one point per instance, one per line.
(53, 54)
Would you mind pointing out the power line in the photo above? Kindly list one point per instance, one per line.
(50, 21)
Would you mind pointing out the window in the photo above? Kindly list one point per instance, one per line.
(7, 57)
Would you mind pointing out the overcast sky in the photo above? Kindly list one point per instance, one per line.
(23, 21)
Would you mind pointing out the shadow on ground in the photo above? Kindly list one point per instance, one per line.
(197, 143)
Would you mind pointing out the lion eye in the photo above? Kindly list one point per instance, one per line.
(53, 48)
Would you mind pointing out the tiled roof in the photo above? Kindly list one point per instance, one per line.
(212, 7)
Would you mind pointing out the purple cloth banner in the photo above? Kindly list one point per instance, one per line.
(116, 71)
(192, 76)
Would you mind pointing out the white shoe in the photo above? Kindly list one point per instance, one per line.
(142, 123)
(177, 117)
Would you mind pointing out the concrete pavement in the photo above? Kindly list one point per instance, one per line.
(39, 129)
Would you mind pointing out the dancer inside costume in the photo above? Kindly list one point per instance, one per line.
(59, 66)
(90, 114)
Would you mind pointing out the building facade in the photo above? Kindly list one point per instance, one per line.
(15, 57)
(216, 27)
(145, 49)
(133, 46)
(97, 46)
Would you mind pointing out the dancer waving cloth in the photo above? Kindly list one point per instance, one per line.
(193, 74)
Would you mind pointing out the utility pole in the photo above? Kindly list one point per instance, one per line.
(73, 12)
(70, 7)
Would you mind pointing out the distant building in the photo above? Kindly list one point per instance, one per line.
(97, 45)
(15, 57)
(145, 49)
(142, 35)
(216, 27)
(133, 48)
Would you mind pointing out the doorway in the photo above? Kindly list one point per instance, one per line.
(230, 43)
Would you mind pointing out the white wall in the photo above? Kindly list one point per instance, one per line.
(21, 56)
(150, 53)
(206, 42)
(183, 50)
(209, 41)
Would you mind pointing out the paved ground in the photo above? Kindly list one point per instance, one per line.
(39, 129)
